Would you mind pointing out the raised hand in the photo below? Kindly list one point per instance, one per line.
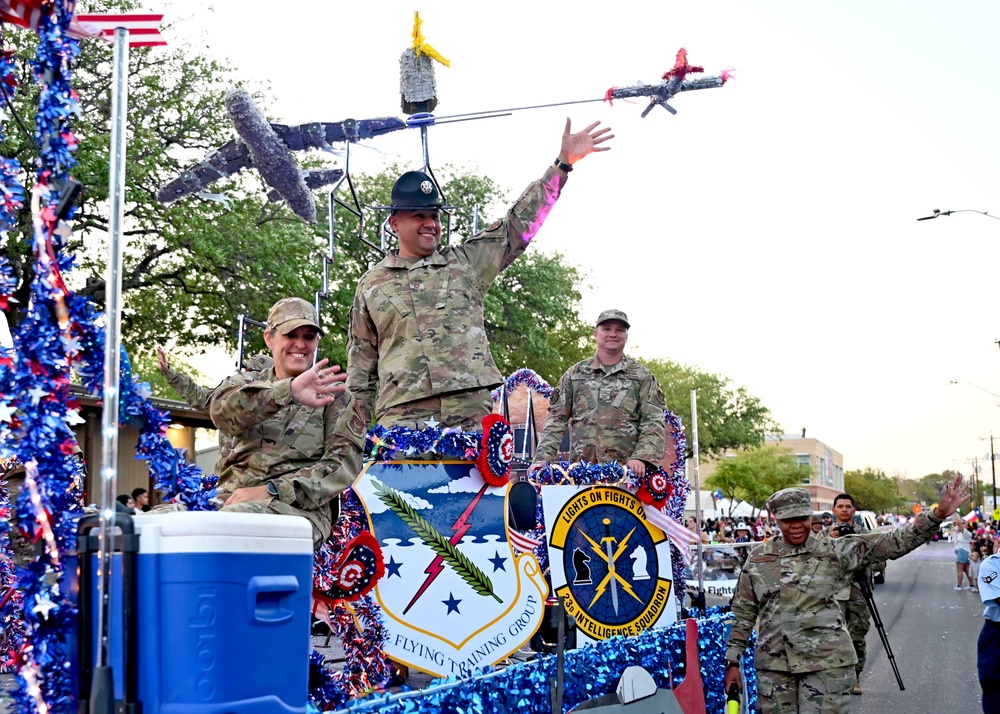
(954, 496)
(319, 385)
(575, 146)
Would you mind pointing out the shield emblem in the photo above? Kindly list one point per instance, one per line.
(455, 595)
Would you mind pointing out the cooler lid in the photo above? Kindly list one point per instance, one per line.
(222, 532)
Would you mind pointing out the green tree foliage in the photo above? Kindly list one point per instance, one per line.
(873, 490)
(192, 267)
(752, 475)
(729, 417)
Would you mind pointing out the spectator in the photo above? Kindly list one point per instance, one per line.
(141, 498)
(125, 504)
(962, 543)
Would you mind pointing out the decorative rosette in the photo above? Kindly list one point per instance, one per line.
(656, 488)
(358, 569)
(497, 450)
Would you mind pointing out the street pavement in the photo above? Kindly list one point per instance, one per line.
(932, 630)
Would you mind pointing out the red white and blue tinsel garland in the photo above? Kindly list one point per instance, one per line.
(56, 334)
(359, 624)
(12, 626)
(528, 377)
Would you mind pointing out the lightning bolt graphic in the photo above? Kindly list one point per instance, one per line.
(460, 527)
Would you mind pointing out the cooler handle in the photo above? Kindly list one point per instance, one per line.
(269, 598)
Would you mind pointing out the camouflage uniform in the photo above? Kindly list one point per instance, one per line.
(616, 414)
(417, 329)
(805, 658)
(312, 454)
(197, 397)
(855, 607)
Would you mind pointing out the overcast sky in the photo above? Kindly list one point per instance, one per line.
(766, 232)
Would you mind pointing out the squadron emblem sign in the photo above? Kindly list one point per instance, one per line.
(455, 596)
(610, 565)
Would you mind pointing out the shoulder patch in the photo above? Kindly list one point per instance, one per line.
(990, 578)
(555, 396)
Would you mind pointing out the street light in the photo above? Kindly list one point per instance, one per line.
(938, 212)
(981, 389)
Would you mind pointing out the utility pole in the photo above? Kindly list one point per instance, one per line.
(993, 463)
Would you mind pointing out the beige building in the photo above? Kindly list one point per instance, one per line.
(827, 465)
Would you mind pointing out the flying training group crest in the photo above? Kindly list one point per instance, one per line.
(610, 565)
(455, 595)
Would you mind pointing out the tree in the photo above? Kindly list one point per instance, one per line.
(192, 267)
(873, 490)
(752, 475)
(728, 417)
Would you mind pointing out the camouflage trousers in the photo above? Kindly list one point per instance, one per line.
(321, 519)
(825, 692)
(464, 410)
(858, 623)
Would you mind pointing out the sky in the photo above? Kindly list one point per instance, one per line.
(767, 231)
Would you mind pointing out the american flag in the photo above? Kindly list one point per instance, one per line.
(522, 542)
(680, 536)
(144, 29)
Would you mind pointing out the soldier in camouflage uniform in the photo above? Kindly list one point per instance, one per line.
(852, 600)
(610, 403)
(417, 345)
(805, 658)
(297, 436)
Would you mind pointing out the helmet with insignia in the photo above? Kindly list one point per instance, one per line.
(415, 191)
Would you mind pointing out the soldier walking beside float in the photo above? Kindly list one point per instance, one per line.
(805, 659)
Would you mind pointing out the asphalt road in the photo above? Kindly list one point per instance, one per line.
(932, 630)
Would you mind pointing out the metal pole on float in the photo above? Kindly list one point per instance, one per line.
(700, 599)
(102, 700)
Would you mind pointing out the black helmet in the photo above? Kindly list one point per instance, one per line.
(413, 191)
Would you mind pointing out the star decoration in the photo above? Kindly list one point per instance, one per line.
(498, 561)
(392, 568)
(43, 606)
(431, 423)
(6, 412)
(37, 393)
(73, 417)
(72, 344)
(452, 604)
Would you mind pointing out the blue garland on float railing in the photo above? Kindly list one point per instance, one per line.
(590, 671)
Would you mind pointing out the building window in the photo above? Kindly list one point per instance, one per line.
(804, 460)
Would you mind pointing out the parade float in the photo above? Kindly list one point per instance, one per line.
(434, 563)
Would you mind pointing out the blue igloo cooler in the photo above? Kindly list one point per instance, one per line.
(223, 613)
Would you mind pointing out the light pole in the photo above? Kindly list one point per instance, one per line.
(938, 212)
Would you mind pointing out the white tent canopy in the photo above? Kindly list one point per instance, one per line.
(712, 508)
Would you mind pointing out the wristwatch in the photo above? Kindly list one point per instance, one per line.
(272, 488)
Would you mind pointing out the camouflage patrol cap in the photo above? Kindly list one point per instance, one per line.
(613, 315)
(790, 503)
(289, 313)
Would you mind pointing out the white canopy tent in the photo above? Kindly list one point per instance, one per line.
(712, 508)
